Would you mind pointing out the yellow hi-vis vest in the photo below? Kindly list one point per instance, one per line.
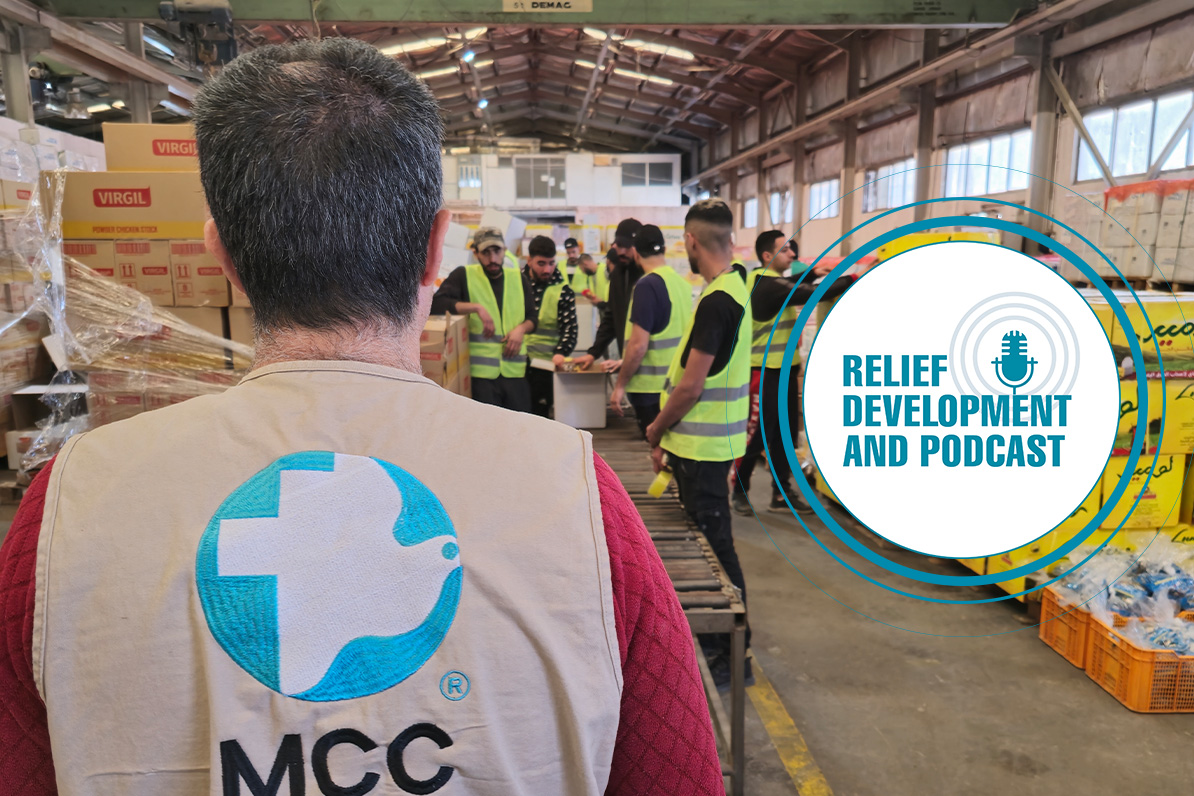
(598, 282)
(662, 347)
(762, 329)
(486, 360)
(714, 430)
(542, 343)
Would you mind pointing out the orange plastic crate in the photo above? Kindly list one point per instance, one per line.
(1144, 680)
(1064, 628)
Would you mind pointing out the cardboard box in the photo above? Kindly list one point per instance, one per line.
(150, 264)
(1082, 515)
(1169, 328)
(98, 255)
(1166, 262)
(143, 205)
(17, 444)
(1169, 232)
(198, 279)
(150, 147)
(1160, 498)
(1174, 204)
(18, 161)
(1100, 307)
(1014, 559)
(208, 319)
(239, 299)
(1113, 234)
(1129, 418)
(15, 195)
(106, 407)
(240, 325)
(1177, 398)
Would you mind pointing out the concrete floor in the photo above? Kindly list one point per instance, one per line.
(971, 703)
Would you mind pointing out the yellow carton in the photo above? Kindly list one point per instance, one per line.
(1101, 308)
(1177, 397)
(1168, 328)
(1014, 559)
(1129, 417)
(1159, 498)
(823, 487)
(1081, 516)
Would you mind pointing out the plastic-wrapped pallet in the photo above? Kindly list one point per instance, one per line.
(134, 356)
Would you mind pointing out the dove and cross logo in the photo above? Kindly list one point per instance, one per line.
(329, 576)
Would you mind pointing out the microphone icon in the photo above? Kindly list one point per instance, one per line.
(1014, 368)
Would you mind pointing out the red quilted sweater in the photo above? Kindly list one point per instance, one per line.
(665, 738)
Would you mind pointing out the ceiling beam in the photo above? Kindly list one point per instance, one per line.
(727, 54)
(600, 124)
(658, 13)
(1000, 41)
(496, 118)
(1137, 19)
(675, 77)
(720, 116)
(593, 78)
(93, 55)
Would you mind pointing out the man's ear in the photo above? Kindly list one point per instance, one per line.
(435, 247)
(215, 246)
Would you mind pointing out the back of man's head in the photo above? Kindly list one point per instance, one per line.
(321, 165)
(711, 222)
(765, 243)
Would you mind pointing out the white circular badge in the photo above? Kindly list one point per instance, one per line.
(961, 400)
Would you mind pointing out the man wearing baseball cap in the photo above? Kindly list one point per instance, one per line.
(500, 307)
(624, 273)
(658, 316)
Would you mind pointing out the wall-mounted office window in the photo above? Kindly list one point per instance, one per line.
(539, 178)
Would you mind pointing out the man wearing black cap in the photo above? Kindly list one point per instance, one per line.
(497, 327)
(659, 310)
(571, 258)
(624, 273)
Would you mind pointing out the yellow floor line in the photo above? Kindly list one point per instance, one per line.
(786, 738)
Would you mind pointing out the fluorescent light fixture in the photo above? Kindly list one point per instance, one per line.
(430, 73)
(118, 105)
(429, 43)
(663, 81)
(600, 35)
(660, 49)
(473, 33)
(103, 106)
(586, 64)
(482, 103)
(468, 56)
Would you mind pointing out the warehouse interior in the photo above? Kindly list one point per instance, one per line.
(810, 118)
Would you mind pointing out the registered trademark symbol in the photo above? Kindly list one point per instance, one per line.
(454, 686)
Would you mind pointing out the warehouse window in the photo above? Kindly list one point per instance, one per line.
(822, 198)
(775, 206)
(703, 195)
(750, 213)
(989, 165)
(469, 173)
(659, 174)
(1131, 137)
(539, 178)
(789, 207)
(893, 185)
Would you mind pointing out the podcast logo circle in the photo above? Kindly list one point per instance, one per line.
(329, 576)
(961, 400)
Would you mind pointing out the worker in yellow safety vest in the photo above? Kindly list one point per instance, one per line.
(660, 306)
(775, 303)
(569, 260)
(555, 316)
(705, 401)
(497, 300)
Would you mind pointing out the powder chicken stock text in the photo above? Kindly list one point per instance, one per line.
(915, 410)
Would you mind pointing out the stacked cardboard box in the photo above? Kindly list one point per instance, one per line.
(443, 352)
(142, 222)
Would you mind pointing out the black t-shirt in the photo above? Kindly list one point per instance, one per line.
(652, 306)
(715, 329)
